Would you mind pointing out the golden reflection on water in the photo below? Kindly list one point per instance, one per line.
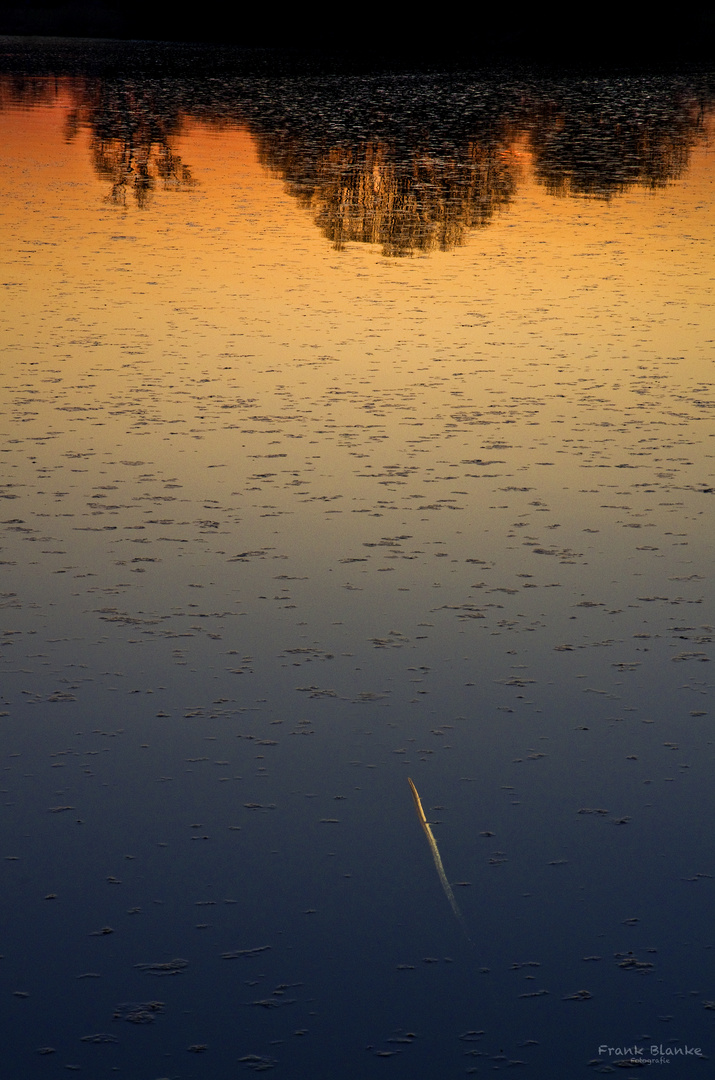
(230, 278)
(535, 398)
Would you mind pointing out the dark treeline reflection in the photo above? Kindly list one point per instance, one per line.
(405, 201)
(410, 161)
(132, 126)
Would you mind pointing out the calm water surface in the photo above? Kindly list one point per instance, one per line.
(265, 337)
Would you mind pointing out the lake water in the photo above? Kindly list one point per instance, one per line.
(266, 334)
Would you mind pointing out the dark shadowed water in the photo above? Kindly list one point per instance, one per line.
(268, 332)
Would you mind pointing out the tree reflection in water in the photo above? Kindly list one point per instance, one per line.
(600, 137)
(410, 161)
(132, 127)
(364, 194)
